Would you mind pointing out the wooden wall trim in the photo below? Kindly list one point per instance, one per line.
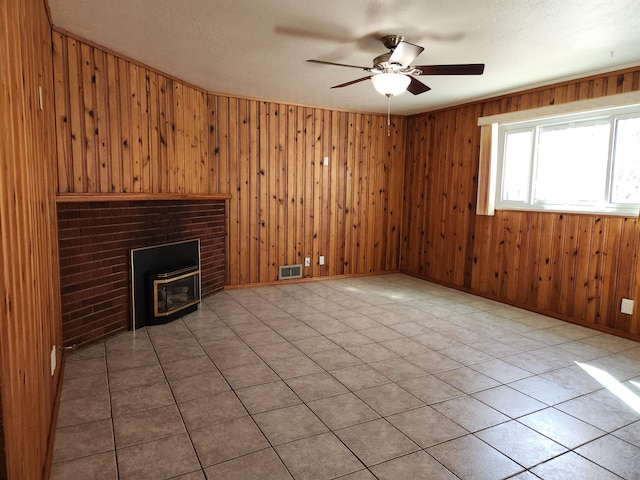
(487, 170)
(4, 469)
(133, 197)
(634, 325)
(48, 12)
(305, 280)
(533, 309)
(54, 418)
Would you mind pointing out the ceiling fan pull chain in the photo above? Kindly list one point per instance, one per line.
(388, 115)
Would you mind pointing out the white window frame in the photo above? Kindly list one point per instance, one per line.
(492, 145)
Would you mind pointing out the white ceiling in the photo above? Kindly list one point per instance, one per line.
(258, 48)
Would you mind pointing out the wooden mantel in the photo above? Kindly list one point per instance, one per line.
(132, 197)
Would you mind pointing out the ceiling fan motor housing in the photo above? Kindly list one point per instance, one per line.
(381, 63)
(392, 41)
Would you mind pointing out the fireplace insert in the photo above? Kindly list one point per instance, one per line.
(165, 282)
(173, 293)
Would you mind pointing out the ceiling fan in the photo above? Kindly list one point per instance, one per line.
(392, 72)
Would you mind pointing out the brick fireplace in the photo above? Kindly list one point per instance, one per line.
(95, 241)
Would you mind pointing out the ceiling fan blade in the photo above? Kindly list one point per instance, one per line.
(405, 53)
(462, 69)
(352, 82)
(322, 62)
(417, 87)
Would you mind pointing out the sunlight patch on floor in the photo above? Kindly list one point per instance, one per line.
(613, 385)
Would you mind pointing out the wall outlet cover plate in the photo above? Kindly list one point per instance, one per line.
(627, 306)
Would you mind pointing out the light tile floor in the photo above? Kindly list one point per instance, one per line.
(384, 377)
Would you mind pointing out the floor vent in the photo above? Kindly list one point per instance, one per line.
(290, 271)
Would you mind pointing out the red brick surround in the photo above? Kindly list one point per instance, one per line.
(96, 239)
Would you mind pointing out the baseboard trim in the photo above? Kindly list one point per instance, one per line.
(306, 280)
(48, 460)
(530, 308)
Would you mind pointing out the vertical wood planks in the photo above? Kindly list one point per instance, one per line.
(576, 266)
(326, 200)
(274, 256)
(102, 119)
(244, 190)
(123, 128)
(287, 205)
(291, 160)
(88, 137)
(349, 216)
(306, 193)
(395, 158)
(29, 270)
(332, 185)
(65, 170)
(177, 162)
(114, 132)
(319, 202)
(152, 182)
(251, 275)
(76, 120)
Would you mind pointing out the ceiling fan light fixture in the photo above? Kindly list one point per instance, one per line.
(390, 83)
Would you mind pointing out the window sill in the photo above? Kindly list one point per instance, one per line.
(629, 213)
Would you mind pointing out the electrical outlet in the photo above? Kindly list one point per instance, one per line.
(326, 160)
(627, 306)
(53, 360)
(307, 262)
(321, 261)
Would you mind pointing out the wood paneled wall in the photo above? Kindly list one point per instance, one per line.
(578, 267)
(125, 128)
(29, 279)
(287, 205)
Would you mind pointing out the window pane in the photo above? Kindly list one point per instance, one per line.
(517, 165)
(572, 163)
(626, 162)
